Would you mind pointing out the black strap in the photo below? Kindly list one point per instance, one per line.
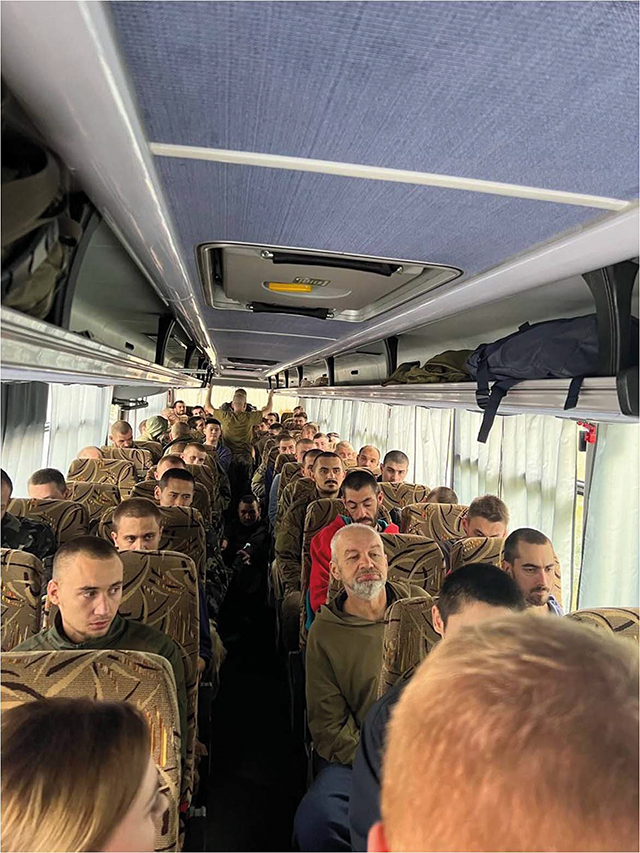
(574, 392)
(524, 326)
(482, 378)
(498, 391)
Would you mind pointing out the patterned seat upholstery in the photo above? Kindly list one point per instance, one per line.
(290, 471)
(269, 444)
(476, 549)
(67, 519)
(141, 459)
(409, 636)
(22, 581)
(436, 521)
(145, 680)
(283, 459)
(114, 472)
(398, 495)
(182, 531)
(201, 500)
(622, 621)
(97, 497)
(154, 448)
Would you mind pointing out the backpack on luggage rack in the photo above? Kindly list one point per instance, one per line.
(554, 349)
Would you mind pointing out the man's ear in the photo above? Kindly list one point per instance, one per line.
(156, 493)
(436, 618)
(376, 840)
(67, 494)
(334, 571)
(465, 525)
(380, 497)
(114, 537)
(508, 568)
(52, 592)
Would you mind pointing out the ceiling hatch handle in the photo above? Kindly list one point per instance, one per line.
(267, 308)
(337, 263)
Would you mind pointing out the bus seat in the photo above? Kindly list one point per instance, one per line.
(67, 519)
(144, 679)
(283, 459)
(114, 472)
(269, 444)
(201, 500)
(22, 582)
(290, 471)
(436, 521)
(622, 621)
(95, 496)
(141, 459)
(398, 495)
(409, 636)
(182, 531)
(154, 448)
(476, 549)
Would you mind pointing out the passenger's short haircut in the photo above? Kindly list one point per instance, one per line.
(174, 460)
(343, 444)
(240, 392)
(215, 421)
(304, 442)
(522, 534)
(360, 479)
(285, 436)
(512, 700)
(490, 508)
(5, 479)
(367, 446)
(321, 435)
(136, 508)
(48, 475)
(176, 474)
(313, 454)
(441, 495)
(193, 421)
(180, 429)
(176, 403)
(397, 457)
(87, 546)
(347, 530)
(176, 447)
(248, 499)
(275, 426)
(299, 414)
(121, 428)
(193, 444)
(478, 582)
(325, 454)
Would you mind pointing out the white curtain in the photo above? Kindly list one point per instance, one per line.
(402, 435)
(78, 416)
(24, 410)
(609, 576)
(433, 447)
(369, 425)
(476, 467)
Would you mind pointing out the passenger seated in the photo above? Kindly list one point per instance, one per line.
(77, 774)
(193, 454)
(272, 418)
(179, 408)
(171, 460)
(198, 412)
(395, 467)
(362, 498)
(48, 483)
(369, 457)
(299, 419)
(156, 429)
(473, 594)
(212, 433)
(23, 534)
(301, 447)
(196, 424)
(175, 487)
(321, 441)
(87, 589)
(90, 452)
(441, 495)
(180, 430)
(309, 430)
(121, 434)
(529, 558)
(176, 448)
(505, 740)
(137, 526)
(346, 452)
(343, 661)
(487, 516)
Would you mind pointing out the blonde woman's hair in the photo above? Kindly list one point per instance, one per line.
(519, 734)
(71, 769)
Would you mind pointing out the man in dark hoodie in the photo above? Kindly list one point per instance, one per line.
(343, 659)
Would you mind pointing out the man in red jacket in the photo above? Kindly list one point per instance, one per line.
(363, 501)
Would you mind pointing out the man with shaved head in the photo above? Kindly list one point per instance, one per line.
(343, 662)
(90, 452)
(121, 434)
(86, 587)
(48, 484)
(172, 460)
(369, 457)
(394, 467)
(346, 452)
(309, 430)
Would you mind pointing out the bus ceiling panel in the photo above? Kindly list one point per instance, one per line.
(542, 94)
(77, 92)
(274, 346)
(37, 351)
(598, 399)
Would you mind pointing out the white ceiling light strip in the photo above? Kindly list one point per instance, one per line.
(382, 173)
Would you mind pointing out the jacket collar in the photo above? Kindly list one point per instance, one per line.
(61, 641)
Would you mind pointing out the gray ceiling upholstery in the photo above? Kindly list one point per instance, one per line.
(536, 93)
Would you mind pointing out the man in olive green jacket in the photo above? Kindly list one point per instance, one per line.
(87, 590)
(343, 661)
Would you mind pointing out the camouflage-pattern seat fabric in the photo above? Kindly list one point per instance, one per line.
(476, 549)
(409, 636)
(141, 459)
(144, 679)
(67, 519)
(269, 444)
(621, 621)
(97, 497)
(154, 448)
(283, 459)
(182, 531)
(22, 582)
(114, 472)
(201, 500)
(290, 471)
(398, 495)
(436, 521)
(297, 489)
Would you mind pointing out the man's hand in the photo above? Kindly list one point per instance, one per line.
(246, 558)
(224, 545)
